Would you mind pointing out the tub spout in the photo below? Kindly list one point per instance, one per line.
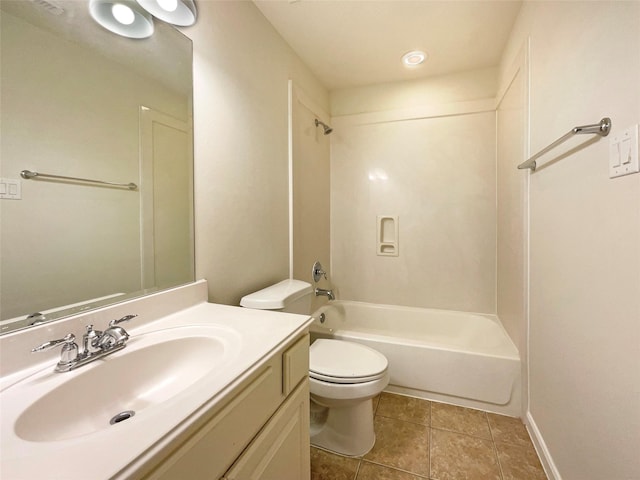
(327, 293)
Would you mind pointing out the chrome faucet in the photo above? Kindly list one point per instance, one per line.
(327, 293)
(95, 345)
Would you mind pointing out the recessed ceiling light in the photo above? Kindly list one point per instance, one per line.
(416, 57)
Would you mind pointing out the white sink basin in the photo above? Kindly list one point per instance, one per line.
(150, 370)
(175, 371)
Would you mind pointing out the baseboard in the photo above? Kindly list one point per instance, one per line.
(542, 450)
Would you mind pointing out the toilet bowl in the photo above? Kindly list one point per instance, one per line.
(343, 376)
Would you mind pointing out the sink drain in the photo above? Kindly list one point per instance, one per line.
(122, 416)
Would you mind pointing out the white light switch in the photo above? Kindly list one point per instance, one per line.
(623, 153)
(10, 189)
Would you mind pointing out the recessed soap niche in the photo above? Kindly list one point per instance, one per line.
(387, 235)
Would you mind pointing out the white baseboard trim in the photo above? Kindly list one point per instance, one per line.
(542, 450)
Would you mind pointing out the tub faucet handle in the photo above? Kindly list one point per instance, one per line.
(318, 272)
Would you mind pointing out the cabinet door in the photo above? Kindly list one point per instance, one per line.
(281, 449)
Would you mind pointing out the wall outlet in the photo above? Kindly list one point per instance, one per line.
(623, 153)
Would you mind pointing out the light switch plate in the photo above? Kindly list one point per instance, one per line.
(10, 189)
(623, 153)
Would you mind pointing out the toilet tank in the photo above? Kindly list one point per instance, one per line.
(291, 296)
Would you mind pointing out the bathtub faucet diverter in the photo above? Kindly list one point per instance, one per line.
(327, 293)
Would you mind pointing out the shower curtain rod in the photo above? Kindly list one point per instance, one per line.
(602, 128)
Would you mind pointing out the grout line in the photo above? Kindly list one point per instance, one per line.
(458, 432)
(398, 469)
(430, 434)
(495, 448)
(355, 477)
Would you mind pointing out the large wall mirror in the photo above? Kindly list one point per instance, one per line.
(78, 101)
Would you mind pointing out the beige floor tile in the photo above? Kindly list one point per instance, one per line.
(459, 419)
(400, 444)
(404, 408)
(455, 456)
(508, 430)
(328, 466)
(519, 462)
(370, 471)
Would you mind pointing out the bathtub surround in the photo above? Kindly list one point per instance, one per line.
(435, 169)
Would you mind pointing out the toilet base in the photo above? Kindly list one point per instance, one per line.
(346, 430)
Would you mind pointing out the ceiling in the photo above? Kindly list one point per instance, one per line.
(348, 43)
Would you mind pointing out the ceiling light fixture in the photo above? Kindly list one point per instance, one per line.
(179, 12)
(414, 58)
(124, 17)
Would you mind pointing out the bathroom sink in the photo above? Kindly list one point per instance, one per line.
(152, 369)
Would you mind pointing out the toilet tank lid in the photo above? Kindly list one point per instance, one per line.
(277, 296)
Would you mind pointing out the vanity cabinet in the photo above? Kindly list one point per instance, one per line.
(259, 431)
(281, 450)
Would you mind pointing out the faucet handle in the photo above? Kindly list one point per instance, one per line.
(126, 318)
(68, 341)
(318, 272)
(69, 352)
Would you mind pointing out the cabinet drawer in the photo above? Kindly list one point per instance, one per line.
(295, 364)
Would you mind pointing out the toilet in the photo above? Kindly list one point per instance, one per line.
(343, 376)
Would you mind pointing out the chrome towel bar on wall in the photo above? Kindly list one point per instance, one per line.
(28, 174)
(602, 128)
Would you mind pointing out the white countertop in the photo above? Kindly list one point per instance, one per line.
(117, 451)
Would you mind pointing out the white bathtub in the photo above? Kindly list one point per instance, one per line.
(455, 357)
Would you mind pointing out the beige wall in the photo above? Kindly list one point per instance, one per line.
(241, 72)
(436, 172)
(310, 191)
(442, 89)
(584, 322)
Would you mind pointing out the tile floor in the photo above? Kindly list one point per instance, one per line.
(418, 439)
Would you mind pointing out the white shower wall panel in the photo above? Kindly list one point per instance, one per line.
(438, 176)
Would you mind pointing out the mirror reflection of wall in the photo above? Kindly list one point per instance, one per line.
(92, 110)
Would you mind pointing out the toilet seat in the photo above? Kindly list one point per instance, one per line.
(345, 381)
(343, 362)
